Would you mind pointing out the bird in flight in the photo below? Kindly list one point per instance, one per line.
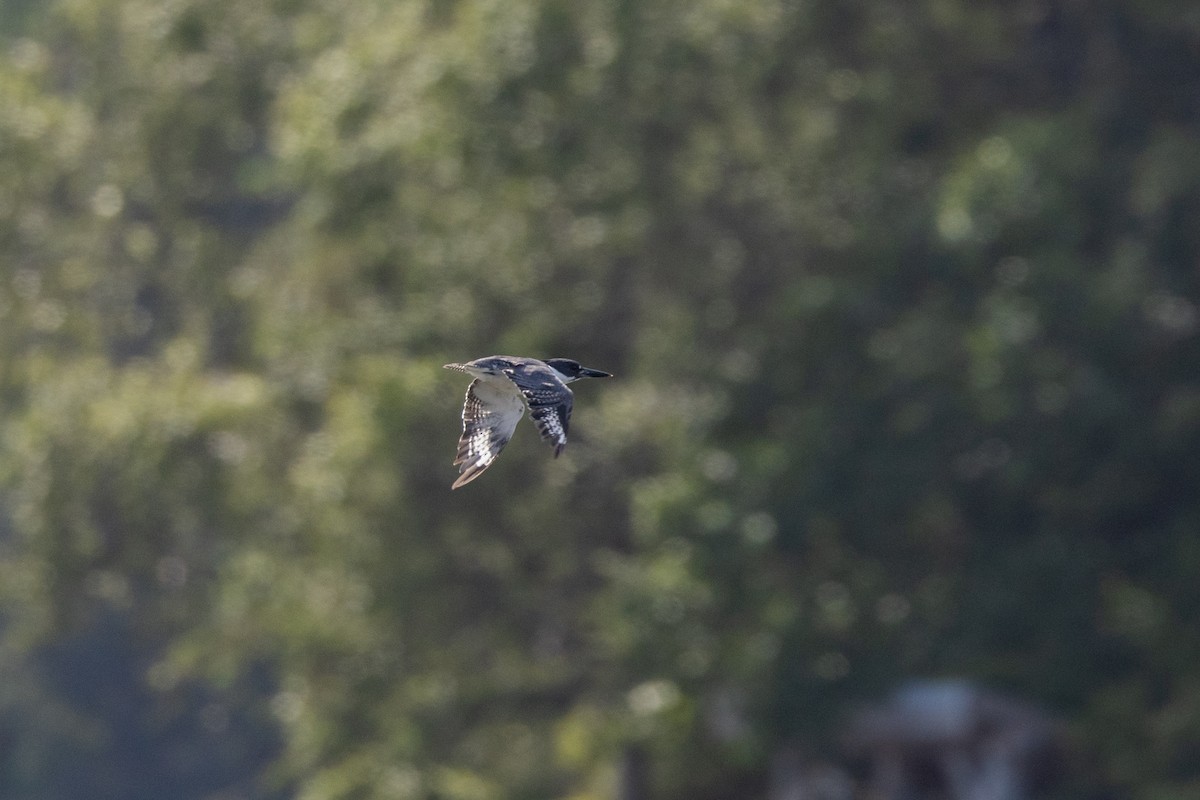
(504, 387)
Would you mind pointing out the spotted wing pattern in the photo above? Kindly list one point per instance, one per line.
(490, 415)
(549, 401)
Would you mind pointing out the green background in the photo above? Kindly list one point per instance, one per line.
(901, 297)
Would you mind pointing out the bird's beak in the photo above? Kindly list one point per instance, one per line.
(586, 372)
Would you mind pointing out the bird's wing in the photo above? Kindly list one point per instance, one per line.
(549, 401)
(490, 416)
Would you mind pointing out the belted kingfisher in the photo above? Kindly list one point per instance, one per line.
(503, 388)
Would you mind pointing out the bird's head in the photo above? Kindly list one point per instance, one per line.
(572, 370)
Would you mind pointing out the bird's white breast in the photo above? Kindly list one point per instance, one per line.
(498, 392)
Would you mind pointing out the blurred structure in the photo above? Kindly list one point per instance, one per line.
(955, 740)
(633, 780)
(792, 777)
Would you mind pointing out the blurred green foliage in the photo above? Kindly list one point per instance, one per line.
(902, 301)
